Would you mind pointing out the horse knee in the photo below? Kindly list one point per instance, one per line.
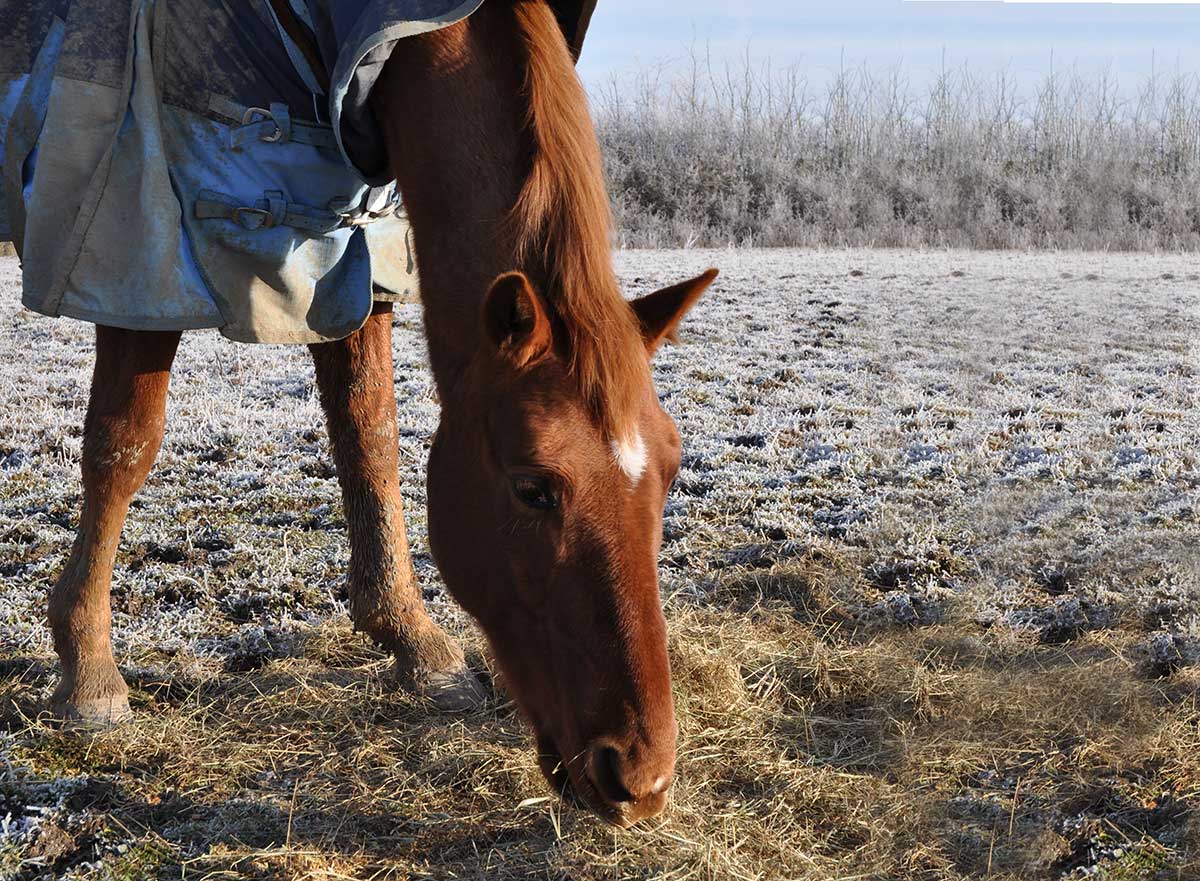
(119, 451)
(127, 410)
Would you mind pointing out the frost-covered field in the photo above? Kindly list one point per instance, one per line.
(932, 568)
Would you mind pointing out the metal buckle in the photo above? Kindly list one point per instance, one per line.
(347, 215)
(366, 210)
(249, 117)
(264, 216)
(354, 219)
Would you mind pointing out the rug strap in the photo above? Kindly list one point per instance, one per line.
(274, 210)
(273, 126)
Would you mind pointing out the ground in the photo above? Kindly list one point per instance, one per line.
(930, 568)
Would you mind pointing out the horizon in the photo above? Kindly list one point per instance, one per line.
(918, 36)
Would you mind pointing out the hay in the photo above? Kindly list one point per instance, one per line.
(904, 645)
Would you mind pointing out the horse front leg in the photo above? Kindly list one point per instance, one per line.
(356, 386)
(121, 436)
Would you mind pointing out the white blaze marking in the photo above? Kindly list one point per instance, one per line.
(631, 456)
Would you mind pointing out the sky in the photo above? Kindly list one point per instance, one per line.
(1128, 38)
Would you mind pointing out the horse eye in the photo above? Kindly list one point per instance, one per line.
(535, 492)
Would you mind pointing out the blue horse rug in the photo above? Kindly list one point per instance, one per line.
(171, 166)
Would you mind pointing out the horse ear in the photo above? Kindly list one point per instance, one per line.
(661, 311)
(515, 319)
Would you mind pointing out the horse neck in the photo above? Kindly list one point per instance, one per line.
(453, 113)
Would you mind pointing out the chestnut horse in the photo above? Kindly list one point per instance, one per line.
(553, 458)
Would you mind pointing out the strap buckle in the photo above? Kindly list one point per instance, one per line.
(253, 218)
(377, 202)
(357, 219)
(258, 114)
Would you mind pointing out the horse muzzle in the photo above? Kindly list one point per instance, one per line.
(621, 785)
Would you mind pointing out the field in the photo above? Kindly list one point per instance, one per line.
(930, 568)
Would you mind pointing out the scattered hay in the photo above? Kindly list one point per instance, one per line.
(932, 593)
(807, 749)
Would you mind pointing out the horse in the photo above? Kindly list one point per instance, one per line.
(552, 460)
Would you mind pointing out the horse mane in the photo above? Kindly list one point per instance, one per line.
(563, 219)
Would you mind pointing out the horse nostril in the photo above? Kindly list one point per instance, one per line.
(606, 774)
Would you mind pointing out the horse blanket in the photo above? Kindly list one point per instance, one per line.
(170, 165)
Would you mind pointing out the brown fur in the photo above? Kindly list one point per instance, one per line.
(563, 218)
(355, 382)
(539, 363)
(121, 435)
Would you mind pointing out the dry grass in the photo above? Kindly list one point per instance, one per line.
(931, 580)
(808, 749)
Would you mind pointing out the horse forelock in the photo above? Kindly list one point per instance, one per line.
(563, 220)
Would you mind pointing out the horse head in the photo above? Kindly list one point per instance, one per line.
(547, 531)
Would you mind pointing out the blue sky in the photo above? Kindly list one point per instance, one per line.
(628, 34)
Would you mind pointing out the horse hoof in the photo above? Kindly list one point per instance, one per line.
(455, 691)
(94, 713)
